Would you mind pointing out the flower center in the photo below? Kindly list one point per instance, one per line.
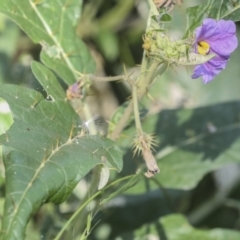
(203, 48)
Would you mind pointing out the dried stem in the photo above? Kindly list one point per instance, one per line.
(105, 79)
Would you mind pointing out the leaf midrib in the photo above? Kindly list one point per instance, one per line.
(15, 213)
(55, 40)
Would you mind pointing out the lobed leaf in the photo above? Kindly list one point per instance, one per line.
(44, 154)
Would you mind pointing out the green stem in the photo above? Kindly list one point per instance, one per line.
(67, 224)
(143, 84)
(136, 110)
(146, 79)
(105, 79)
(80, 220)
(75, 215)
(122, 122)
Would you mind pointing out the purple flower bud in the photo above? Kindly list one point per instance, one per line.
(218, 37)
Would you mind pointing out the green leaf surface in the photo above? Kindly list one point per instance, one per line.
(52, 24)
(225, 9)
(192, 142)
(195, 17)
(44, 154)
(197, 141)
(222, 9)
(48, 80)
(176, 227)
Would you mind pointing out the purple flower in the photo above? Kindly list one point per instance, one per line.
(218, 37)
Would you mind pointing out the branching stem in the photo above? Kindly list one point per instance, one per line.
(146, 79)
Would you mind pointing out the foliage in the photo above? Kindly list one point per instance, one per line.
(52, 142)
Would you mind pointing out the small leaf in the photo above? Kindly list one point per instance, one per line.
(166, 18)
(44, 154)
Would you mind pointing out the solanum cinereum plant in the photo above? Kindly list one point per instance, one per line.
(59, 148)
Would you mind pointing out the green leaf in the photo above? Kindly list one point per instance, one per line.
(197, 141)
(225, 9)
(44, 153)
(192, 142)
(222, 9)
(52, 24)
(176, 227)
(48, 80)
(195, 17)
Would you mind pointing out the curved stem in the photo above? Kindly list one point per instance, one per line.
(87, 202)
(80, 220)
(75, 215)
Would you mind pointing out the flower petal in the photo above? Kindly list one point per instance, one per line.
(221, 35)
(207, 30)
(225, 42)
(210, 69)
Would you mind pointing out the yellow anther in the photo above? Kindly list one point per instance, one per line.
(203, 48)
